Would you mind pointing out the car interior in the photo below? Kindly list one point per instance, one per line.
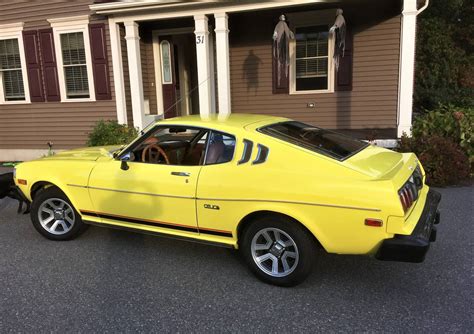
(184, 146)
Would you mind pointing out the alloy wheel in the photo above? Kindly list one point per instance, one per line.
(274, 252)
(56, 216)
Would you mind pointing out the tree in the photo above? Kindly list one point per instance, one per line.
(444, 72)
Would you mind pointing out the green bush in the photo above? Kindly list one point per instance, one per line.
(449, 122)
(444, 161)
(111, 133)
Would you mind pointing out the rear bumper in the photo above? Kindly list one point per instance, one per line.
(413, 248)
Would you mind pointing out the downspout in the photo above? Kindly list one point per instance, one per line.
(407, 65)
(422, 9)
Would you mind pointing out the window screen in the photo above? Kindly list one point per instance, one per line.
(312, 58)
(10, 70)
(75, 67)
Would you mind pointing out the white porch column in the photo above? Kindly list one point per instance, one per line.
(407, 67)
(203, 65)
(117, 66)
(212, 72)
(223, 63)
(135, 72)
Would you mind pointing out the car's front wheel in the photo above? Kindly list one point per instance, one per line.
(278, 250)
(54, 217)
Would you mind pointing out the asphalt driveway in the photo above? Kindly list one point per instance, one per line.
(109, 280)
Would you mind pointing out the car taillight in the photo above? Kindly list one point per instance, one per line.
(408, 194)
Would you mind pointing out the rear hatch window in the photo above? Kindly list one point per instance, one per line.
(329, 143)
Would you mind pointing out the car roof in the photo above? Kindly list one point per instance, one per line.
(232, 121)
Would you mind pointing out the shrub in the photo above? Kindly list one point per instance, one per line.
(111, 133)
(449, 122)
(444, 55)
(445, 163)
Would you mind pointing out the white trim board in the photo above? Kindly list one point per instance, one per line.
(182, 11)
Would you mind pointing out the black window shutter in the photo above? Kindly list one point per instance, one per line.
(100, 61)
(280, 74)
(33, 65)
(50, 69)
(344, 74)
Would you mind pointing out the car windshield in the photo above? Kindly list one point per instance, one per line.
(328, 143)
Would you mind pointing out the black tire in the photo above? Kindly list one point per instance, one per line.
(64, 229)
(305, 248)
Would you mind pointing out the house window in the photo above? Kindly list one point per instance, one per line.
(11, 73)
(74, 65)
(312, 58)
(166, 62)
(74, 58)
(311, 52)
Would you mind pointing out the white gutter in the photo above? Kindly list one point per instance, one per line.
(407, 65)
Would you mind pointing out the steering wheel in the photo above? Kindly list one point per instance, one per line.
(154, 151)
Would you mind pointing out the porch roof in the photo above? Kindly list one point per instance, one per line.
(199, 7)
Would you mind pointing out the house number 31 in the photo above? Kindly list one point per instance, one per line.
(200, 39)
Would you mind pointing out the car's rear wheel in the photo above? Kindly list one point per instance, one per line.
(278, 250)
(54, 217)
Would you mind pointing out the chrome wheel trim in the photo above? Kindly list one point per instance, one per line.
(56, 216)
(274, 252)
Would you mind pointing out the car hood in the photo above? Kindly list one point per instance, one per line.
(87, 153)
(378, 162)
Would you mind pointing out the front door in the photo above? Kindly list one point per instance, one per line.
(156, 189)
(156, 197)
(169, 76)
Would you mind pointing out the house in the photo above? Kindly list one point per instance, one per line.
(66, 65)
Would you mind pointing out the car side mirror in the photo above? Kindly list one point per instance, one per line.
(125, 159)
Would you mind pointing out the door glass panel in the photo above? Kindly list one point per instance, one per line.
(174, 145)
(166, 62)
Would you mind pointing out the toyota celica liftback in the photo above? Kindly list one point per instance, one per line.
(271, 187)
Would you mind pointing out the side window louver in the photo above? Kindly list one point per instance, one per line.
(248, 145)
(262, 155)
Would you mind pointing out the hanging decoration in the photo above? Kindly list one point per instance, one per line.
(339, 29)
(281, 42)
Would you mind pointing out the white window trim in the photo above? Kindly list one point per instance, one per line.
(15, 31)
(305, 19)
(67, 25)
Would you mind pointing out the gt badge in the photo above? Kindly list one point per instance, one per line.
(211, 207)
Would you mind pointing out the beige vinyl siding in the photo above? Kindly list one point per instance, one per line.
(371, 104)
(31, 126)
(126, 76)
(148, 69)
(35, 13)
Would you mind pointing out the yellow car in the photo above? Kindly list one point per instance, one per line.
(271, 187)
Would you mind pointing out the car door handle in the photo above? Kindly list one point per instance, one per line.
(180, 174)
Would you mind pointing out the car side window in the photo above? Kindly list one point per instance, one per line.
(173, 145)
(220, 148)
